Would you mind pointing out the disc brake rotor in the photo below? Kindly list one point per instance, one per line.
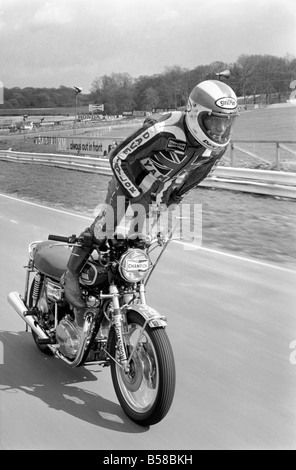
(133, 379)
(148, 362)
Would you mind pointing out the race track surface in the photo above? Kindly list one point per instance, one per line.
(231, 322)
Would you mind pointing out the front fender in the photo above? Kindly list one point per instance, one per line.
(150, 315)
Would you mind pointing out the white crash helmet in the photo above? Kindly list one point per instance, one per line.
(215, 99)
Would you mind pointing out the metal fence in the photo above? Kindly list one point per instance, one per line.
(267, 182)
(264, 154)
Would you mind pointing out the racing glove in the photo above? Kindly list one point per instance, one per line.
(174, 200)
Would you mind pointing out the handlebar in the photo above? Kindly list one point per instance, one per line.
(58, 238)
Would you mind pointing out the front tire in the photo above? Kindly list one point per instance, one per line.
(145, 393)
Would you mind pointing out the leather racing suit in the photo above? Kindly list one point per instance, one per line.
(147, 164)
(152, 158)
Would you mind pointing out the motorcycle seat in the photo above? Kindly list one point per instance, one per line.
(51, 259)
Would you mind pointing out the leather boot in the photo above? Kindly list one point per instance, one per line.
(76, 262)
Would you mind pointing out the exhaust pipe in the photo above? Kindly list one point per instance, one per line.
(17, 303)
(15, 300)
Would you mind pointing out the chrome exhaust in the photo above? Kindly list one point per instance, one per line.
(15, 300)
(17, 303)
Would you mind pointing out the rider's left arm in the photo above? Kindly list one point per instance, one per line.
(194, 177)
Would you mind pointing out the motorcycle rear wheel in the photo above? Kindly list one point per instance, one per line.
(146, 393)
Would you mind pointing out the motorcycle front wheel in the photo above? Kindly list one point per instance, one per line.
(146, 392)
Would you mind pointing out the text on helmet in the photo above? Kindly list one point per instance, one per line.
(226, 103)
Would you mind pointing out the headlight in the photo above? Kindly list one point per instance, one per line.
(134, 265)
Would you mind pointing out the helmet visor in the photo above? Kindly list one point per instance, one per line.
(217, 126)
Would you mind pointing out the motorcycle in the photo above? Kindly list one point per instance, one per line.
(119, 330)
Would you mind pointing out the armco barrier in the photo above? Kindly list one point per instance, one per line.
(272, 183)
(70, 162)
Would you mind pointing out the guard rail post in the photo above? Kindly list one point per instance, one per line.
(278, 156)
(231, 154)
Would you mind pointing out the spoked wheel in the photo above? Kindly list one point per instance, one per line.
(146, 392)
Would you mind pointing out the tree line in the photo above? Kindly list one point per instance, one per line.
(262, 77)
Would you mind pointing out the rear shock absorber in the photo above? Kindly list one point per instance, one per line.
(36, 289)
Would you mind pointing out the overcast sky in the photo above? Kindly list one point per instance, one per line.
(48, 43)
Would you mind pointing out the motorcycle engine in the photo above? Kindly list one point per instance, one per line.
(68, 338)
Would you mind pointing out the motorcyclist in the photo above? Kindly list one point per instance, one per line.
(147, 164)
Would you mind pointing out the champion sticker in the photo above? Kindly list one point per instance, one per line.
(176, 145)
(137, 265)
(226, 103)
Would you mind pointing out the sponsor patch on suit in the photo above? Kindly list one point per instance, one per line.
(174, 144)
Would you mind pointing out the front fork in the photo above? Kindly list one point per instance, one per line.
(120, 323)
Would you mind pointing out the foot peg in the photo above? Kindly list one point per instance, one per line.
(45, 341)
(32, 312)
